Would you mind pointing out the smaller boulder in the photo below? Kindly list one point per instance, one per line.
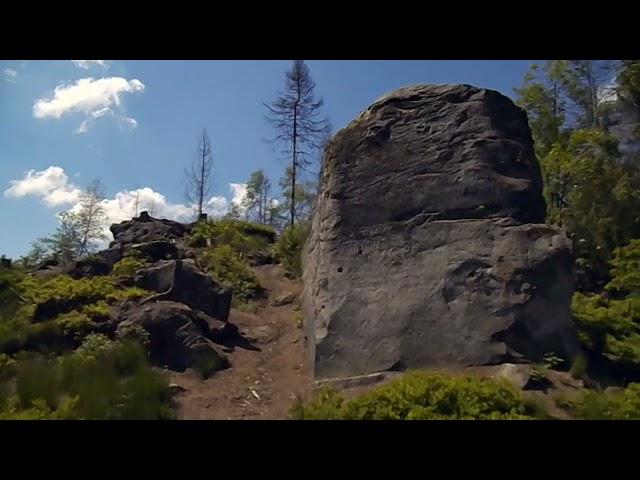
(90, 267)
(112, 255)
(157, 250)
(516, 374)
(175, 339)
(181, 282)
(284, 299)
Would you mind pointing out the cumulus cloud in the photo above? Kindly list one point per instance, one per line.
(238, 192)
(54, 188)
(87, 64)
(52, 185)
(10, 75)
(92, 97)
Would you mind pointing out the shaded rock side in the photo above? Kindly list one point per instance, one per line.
(176, 338)
(182, 282)
(428, 245)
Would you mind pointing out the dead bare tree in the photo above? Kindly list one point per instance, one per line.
(198, 176)
(295, 115)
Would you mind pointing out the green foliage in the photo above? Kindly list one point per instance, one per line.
(589, 192)
(579, 366)
(127, 267)
(626, 269)
(67, 293)
(242, 237)
(615, 405)
(247, 307)
(422, 396)
(103, 379)
(288, 248)
(611, 326)
(134, 332)
(227, 266)
(593, 197)
(551, 360)
(256, 200)
(66, 309)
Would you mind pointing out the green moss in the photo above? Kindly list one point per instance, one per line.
(423, 396)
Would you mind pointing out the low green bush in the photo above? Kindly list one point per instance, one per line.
(228, 268)
(103, 380)
(242, 237)
(613, 405)
(127, 267)
(288, 248)
(422, 396)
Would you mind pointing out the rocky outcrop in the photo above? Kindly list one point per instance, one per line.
(182, 282)
(144, 229)
(175, 339)
(428, 244)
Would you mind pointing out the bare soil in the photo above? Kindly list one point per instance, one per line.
(266, 376)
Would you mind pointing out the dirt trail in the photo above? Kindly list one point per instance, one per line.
(261, 384)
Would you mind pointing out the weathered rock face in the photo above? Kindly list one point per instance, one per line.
(175, 334)
(182, 282)
(428, 245)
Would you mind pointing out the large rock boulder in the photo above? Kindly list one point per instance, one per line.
(176, 336)
(179, 281)
(428, 244)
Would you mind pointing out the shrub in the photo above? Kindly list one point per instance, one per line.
(127, 267)
(422, 396)
(103, 379)
(242, 237)
(615, 405)
(288, 248)
(226, 266)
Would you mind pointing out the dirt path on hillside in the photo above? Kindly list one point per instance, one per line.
(260, 384)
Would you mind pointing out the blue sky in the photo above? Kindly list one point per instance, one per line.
(135, 125)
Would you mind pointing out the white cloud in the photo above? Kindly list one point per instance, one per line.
(93, 97)
(54, 188)
(239, 191)
(10, 75)
(52, 185)
(216, 206)
(608, 93)
(87, 64)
